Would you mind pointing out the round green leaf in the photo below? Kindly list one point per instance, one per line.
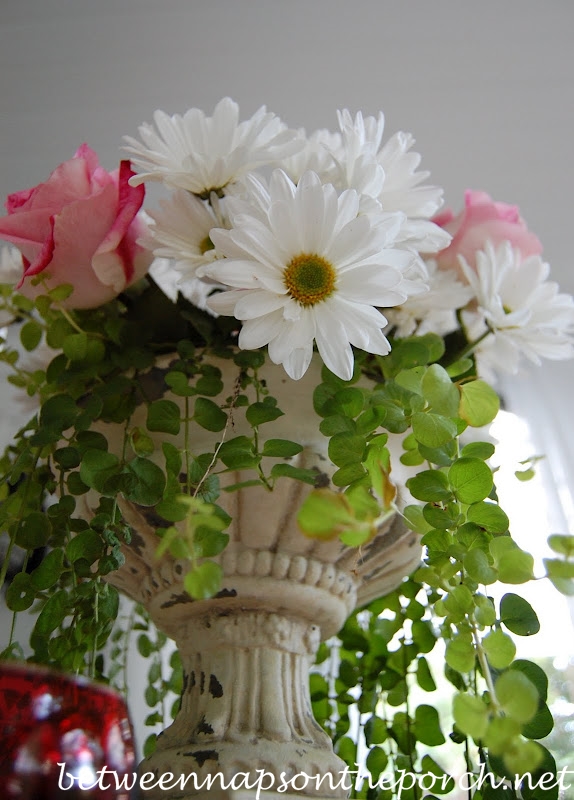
(562, 543)
(75, 346)
(67, 457)
(540, 725)
(443, 779)
(535, 675)
(204, 581)
(489, 516)
(238, 453)
(48, 570)
(144, 645)
(459, 601)
(477, 565)
(500, 734)
(431, 486)
(178, 382)
(377, 761)
(479, 403)
(470, 714)
(297, 473)
(514, 566)
(141, 443)
(34, 531)
(460, 655)
(256, 414)
(281, 448)
(517, 695)
(423, 636)
(349, 401)
(433, 430)
(427, 726)
(375, 731)
(97, 467)
(31, 335)
(471, 480)
(499, 648)
(483, 450)
(20, 594)
(163, 416)
(424, 676)
(149, 483)
(518, 615)
(440, 392)
(346, 448)
(524, 757)
(414, 519)
(53, 614)
(87, 545)
(485, 612)
(58, 412)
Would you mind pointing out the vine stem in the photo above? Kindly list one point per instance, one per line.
(92, 672)
(484, 665)
(126, 647)
(6, 561)
(186, 444)
(65, 313)
(407, 708)
(219, 445)
(468, 764)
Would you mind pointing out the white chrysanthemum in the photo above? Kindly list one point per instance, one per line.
(316, 156)
(526, 314)
(313, 270)
(180, 231)
(204, 154)
(388, 174)
(433, 311)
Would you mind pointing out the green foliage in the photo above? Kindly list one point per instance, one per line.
(422, 398)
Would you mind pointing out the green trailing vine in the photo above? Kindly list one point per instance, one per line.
(103, 369)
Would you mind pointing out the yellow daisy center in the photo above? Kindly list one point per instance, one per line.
(205, 245)
(309, 279)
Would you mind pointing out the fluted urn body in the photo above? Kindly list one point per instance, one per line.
(247, 651)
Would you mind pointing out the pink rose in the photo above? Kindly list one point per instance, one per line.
(483, 219)
(81, 228)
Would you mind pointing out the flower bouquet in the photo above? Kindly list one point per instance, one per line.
(259, 408)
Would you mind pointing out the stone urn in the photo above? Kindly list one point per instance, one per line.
(247, 652)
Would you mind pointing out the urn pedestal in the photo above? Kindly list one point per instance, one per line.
(247, 652)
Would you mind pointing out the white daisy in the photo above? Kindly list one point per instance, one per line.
(180, 231)
(204, 154)
(313, 270)
(525, 313)
(402, 189)
(316, 155)
(433, 311)
(388, 174)
(357, 165)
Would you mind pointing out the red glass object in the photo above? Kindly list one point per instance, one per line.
(62, 737)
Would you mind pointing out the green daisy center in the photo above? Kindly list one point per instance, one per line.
(309, 279)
